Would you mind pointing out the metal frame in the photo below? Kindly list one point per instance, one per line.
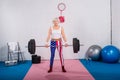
(18, 51)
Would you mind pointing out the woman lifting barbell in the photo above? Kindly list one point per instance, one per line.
(56, 34)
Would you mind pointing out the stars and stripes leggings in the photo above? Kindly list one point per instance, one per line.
(56, 44)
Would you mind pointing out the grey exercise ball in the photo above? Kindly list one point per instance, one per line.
(93, 52)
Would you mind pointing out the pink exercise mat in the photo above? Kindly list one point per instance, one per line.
(75, 71)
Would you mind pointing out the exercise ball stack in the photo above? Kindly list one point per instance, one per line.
(93, 52)
(110, 54)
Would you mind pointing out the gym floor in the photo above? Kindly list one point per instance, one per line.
(93, 22)
(76, 69)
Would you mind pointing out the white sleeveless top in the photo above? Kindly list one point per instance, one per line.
(55, 34)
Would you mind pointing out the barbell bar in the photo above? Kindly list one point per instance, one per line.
(55, 46)
(32, 46)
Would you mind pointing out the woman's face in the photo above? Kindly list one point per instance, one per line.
(55, 22)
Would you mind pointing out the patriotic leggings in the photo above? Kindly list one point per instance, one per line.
(56, 44)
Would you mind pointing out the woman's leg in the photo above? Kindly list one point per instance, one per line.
(52, 49)
(59, 48)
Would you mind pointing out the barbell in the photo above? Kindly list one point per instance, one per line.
(32, 46)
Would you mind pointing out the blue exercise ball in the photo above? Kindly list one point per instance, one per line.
(110, 54)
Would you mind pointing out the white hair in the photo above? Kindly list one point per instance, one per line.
(56, 19)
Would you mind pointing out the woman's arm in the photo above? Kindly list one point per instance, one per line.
(48, 37)
(63, 34)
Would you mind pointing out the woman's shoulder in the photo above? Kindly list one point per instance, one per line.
(61, 27)
(51, 27)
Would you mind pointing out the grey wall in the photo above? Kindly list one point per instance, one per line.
(116, 22)
(21, 20)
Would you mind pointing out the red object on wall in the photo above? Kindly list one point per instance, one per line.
(62, 19)
(61, 8)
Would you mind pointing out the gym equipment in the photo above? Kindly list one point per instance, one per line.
(110, 54)
(15, 55)
(61, 8)
(36, 59)
(94, 52)
(11, 62)
(32, 46)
